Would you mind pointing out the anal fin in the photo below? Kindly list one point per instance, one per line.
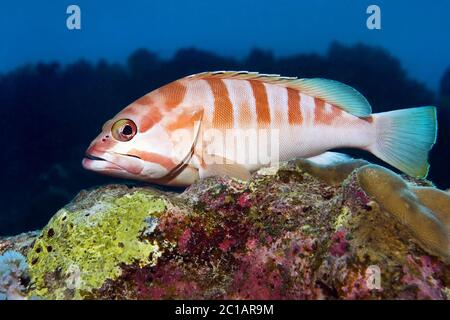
(330, 158)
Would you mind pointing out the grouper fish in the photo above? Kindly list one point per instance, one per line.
(235, 122)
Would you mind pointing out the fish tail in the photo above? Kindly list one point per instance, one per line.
(404, 138)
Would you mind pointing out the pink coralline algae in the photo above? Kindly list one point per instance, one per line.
(183, 240)
(281, 270)
(423, 273)
(339, 244)
(295, 233)
(244, 201)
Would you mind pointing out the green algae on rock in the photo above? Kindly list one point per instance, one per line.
(86, 243)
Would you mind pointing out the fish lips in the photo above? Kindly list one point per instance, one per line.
(109, 162)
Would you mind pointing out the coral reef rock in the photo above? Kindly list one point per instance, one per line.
(300, 231)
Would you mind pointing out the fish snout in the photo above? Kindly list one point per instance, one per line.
(104, 141)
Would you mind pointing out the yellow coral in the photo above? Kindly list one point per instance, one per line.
(438, 201)
(333, 174)
(424, 211)
(85, 247)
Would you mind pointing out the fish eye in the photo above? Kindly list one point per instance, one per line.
(124, 130)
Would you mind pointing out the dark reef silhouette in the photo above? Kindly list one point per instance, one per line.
(49, 113)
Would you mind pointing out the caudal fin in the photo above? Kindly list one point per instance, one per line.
(404, 138)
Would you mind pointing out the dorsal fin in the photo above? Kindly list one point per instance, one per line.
(333, 92)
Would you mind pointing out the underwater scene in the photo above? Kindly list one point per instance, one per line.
(237, 150)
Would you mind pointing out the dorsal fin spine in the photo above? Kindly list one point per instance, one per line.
(333, 92)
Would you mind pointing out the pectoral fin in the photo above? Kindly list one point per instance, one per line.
(224, 167)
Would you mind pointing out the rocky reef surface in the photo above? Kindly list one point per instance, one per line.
(301, 231)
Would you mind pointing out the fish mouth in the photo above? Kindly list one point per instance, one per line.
(94, 163)
(91, 157)
(109, 162)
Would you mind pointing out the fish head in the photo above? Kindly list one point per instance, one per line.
(139, 142)
(127, 148)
